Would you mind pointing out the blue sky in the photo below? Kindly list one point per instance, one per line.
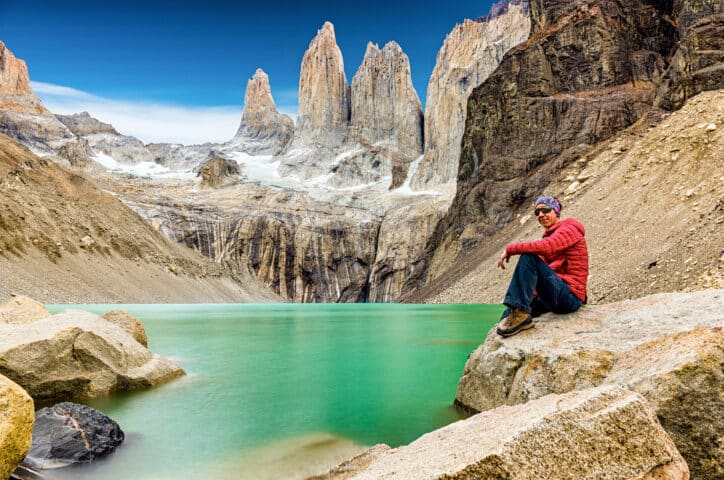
(194, 58)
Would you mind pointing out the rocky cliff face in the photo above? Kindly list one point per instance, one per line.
(470, 53)
(323, 89)
(15, 92)
(305, 250)
(698, 63)
(263, 129)
(384, 104)
(22, 115)
(82, 124)
(589, 69)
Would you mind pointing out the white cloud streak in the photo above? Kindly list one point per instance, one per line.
(149, 122)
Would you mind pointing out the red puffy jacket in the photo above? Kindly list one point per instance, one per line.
(563, 247)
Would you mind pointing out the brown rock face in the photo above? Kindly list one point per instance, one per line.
(587, 71)
(262, 127)
(384, 104)
(323, 89)
(698, 64)
(468, 56)
(15, 91)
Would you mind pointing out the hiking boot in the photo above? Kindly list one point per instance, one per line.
(516, 321)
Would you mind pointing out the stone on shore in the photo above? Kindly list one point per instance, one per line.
(69, 433)
(20, 309)
(600, 433)
(667, 347)
(129, 323)
(76, 354)
(16, 424)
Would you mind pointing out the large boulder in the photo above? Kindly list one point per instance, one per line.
(218, 171)
(77, 354)
(667, 347)
(21, 309)
(605, 432)
(16, 424)
(69, 433)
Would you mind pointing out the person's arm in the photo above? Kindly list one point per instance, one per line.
(562, 238)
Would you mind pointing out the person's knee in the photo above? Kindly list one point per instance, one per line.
(528, 258)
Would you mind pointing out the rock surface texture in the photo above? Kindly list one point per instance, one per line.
(17, 415)
(129, 323)
(77, 354)
(323, 88)
(384, 104)
(698, 63)
(613, 432)
(69, 433)
(218, 171)
(22, 115)
(323, 113)
(470, 53)
(667, 347)
(20, 309)
(263, 129)
(306, 251)
(82, 124)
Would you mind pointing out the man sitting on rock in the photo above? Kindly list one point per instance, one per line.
(551, 274)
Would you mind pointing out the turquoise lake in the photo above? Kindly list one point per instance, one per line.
(277, 391)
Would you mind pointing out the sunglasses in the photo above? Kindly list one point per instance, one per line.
(538, 211)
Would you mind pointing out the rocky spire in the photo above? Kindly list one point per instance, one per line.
(261, 120)
(470, 53)
(384, 103)
(15, 91)
(323, 89)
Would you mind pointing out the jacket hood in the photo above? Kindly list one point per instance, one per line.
(567, 221)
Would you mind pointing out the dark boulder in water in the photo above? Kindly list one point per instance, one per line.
(69, 433)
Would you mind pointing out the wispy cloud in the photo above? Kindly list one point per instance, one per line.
(150, 122)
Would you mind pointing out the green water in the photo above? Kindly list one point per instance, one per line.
(266, 380)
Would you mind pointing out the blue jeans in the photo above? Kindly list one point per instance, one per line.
(553, 295)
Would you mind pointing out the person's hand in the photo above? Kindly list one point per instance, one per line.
(504, 258)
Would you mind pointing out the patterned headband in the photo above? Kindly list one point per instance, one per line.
(551, 202)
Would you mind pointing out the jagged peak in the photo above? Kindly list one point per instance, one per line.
(327, 30)
(258, 93)
(393, 46)
(391, 49)
(372, 49)
(260, 74)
